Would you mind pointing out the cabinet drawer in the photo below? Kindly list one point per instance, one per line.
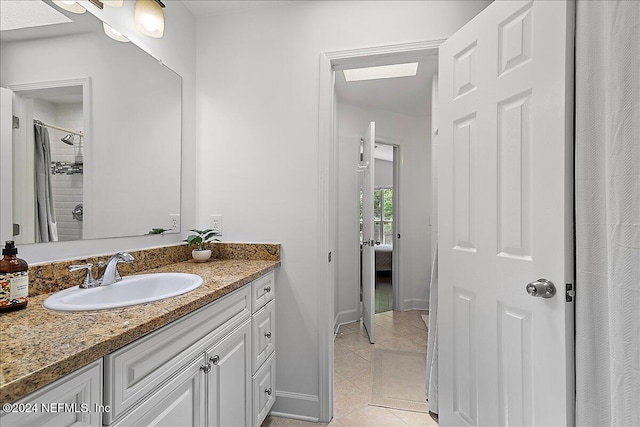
(136, 370)
(70, 401)
(263, 335)
(263, 290)
(264, 390)
(179, 402)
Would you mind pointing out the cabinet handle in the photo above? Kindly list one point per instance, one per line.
(267, 289)
(215, 359)
(268, 391)
(206, 368)
(267, 334)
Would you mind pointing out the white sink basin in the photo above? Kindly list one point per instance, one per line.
(131, 290)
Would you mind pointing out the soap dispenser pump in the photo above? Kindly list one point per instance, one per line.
(14, 279)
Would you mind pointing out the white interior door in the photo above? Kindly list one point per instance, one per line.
(368, 235)
(505, 217)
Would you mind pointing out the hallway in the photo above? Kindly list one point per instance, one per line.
(404, 331)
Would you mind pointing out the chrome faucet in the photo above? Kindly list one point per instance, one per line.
(111, 274)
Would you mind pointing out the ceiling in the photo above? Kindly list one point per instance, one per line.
(207, 8)
(410, 96)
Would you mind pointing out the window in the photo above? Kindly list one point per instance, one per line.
(382, 215)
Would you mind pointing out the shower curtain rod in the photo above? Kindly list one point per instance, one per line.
(38, 122)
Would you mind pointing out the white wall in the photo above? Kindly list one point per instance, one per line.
(257, 131)
(412, 136)
(177, 50)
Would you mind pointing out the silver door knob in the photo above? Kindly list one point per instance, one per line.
(267, 334)
(541, 288)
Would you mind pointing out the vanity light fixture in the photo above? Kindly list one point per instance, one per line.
(114, 34)
(70, 6)
(381, 72)
(149, 17)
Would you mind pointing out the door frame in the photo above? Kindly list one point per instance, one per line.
(331, 61)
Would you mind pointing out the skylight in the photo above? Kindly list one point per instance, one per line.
(381, 72)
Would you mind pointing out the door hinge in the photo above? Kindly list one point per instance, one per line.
(329, 257)
(570, 293)
(16, 122)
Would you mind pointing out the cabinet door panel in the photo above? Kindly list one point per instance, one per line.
(70, 401)
(264, 390)
(264, 335)
(180, 402)
(229, 381)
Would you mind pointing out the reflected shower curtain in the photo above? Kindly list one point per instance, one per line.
(46, 229)
(607, 213)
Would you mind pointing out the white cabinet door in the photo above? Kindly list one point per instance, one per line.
(179, 402)
(229, 380)
(505, 217)
(74, 400)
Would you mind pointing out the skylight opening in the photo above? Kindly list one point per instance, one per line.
(381, 72)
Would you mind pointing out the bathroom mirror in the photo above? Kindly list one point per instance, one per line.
(112, 114)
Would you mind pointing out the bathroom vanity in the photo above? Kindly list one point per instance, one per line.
(203, 358)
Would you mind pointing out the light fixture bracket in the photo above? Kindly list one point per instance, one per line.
(160, 3)
(97, 3)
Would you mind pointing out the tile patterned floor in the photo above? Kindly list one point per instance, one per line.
(352, 380)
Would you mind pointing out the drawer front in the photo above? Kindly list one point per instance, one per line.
(263, 335)
(263, 291)
(70, 401)
(134, 371)
(264, 390)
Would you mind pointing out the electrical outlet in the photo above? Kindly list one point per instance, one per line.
(174, 222)
(216, 224)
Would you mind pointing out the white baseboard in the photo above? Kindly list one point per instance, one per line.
(298, 406)
(347, 316)
(416, 304)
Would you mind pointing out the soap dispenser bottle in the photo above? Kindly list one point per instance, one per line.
(14, 279)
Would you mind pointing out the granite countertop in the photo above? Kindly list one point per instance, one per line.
(39, 346)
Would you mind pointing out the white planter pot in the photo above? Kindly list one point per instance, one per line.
(201, 256)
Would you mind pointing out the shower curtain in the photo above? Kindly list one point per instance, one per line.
(46, 229)
(607, 213)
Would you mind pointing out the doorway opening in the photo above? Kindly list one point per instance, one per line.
(344, 136)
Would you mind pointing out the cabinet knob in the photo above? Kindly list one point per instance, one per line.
(267, 289)
(268, 391)
(267, 334)
(215, 359)
(206, 368)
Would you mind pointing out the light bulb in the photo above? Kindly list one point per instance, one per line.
(114, 34)
(149, 18)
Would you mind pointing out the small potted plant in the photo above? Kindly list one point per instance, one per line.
(198, 242)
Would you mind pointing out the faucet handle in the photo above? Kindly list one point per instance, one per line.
(89, 281)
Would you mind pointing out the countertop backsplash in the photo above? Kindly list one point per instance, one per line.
(51, 277)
